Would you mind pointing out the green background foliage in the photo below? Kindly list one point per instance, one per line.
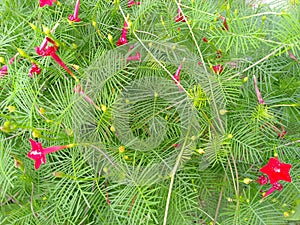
(148, 153)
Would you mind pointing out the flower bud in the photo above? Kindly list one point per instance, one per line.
(46, 30)
(11, 108)
(59, 174)
(247, 180)
(2, 60)
(229, 136)
(34, 27)
(36, 134)
(122, 149)
(42, 111)
(22, 53)
(200, 151)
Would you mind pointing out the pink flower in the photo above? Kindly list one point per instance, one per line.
(3, 70)
(74, 17)
(45, 50)
(46, 2)
(123, 39)
(136, 57)
(38, 153)
(179, 17)
(258, 94)
(78, 89)
(277, 170)
(292, 56)
(217, 69)
(176, 76)
(132, 2)
(225, 25)
(34, 70)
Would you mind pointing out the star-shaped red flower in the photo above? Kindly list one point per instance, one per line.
(277, 170)
(38, 153)
(46, 2)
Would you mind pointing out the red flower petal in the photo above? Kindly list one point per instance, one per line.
(46, 2)
(277, 170)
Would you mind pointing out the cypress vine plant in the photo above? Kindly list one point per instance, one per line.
(149, 112)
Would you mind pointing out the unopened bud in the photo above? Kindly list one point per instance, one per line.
(94, 23)
(247, 181)
(59, 174)
(2, 60)
(22, 53)
(42, 110)
(11, 108)
(263, 19)
(112, 129)
(229, 136)
(200, 151)
(223, 112)
(103, 108)
(46, 30)
(122, 149)
(36, 134)
(34, 27)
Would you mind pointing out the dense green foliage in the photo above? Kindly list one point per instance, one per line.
(146, 152)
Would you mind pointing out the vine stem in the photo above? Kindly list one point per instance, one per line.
(173, 172)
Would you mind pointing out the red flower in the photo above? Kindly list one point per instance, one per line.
(136, 57)
(34, 70)
(74, 17)
(123, 39)
(260, 99)
(205, 39)
(132, 2)
(217, 69)
(176, 76)
(262, 180)
(225, 25)
(38, 153)
(276, 186)
(45, 50)
(277, 170)
(179, 17)
(46, 2)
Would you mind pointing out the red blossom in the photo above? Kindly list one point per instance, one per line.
(205, 39)
(218, 69)
(46, 2)
(225, 25)
(74, 17)
(275, 186)
(277, 170)
(123, 39)
(132, 2)
(34, 70)
(38, 153)
(258, 94)
(262, 180)
(176, 76)
(179, 17)
(136, 57)
(45, 50)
